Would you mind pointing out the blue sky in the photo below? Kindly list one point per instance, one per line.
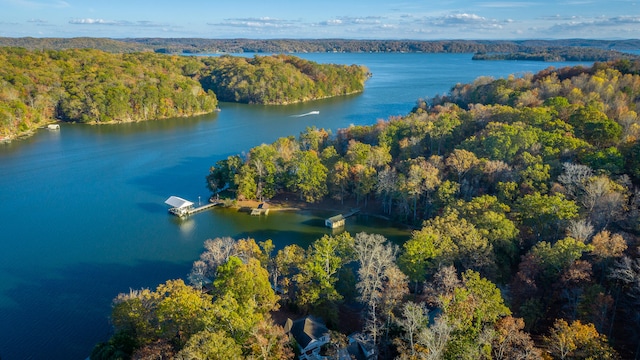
(371, 19)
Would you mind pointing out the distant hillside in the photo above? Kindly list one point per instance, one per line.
(194, 45)
(575, 53)
(104, 44)
(93, 86)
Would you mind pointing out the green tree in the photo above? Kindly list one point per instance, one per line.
(318, 276)
(543, 214)
(471, 308)
(309, 176)
(418, 254)
(242, 297)
(181, 310)
(208, 345)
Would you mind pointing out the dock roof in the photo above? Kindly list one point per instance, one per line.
(178, 202)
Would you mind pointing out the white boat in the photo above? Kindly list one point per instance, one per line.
(53, 127)
(314, 112)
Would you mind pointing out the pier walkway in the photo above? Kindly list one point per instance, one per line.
(203, 207)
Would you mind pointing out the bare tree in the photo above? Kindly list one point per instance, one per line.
(435, 338)
(375, 256)
(574, 177)
(414, 318)
(605, 200)
(580, 229)
(217, 252)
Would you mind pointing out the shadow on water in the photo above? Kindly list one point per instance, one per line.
(166, 181)
(57, 304)
(153, 208)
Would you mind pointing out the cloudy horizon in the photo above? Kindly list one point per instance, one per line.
(374, 19)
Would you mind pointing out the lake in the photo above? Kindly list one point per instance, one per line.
(82, 209)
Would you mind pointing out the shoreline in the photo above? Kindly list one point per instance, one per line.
(283, 202)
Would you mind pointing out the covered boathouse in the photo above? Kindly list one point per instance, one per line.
(179, 206)
(335, 221)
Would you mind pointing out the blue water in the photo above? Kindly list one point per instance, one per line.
(82, 215)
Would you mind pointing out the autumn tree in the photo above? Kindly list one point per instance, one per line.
(577, 341)
(511, 342)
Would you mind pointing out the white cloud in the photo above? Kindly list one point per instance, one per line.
(89, 21)
(262, 22)
(139, 23)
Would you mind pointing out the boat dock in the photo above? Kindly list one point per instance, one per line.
(203, 207)
(260, 210)
(182, 208)
(340, 219)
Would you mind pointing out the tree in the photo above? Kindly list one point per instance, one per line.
(319, 271)
(268, 341)
(339, 180)
(433, 340)
(472, 310)
(374, 256)
(606, 246)
(577, 341)
(489, 216)
(262, 160)
(217, 252)
(460, 242)
(309, 176)
(418, 255)
(511, 342)
(208, 345)
(181, 310)
(461, 161)
(414, 318)
(594, 125)
(243, 296)
(542, 214)
(557, 257)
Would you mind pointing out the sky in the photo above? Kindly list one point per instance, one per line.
(300, 19)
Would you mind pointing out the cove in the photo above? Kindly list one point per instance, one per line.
(82, 209)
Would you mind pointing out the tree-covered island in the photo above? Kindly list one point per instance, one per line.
(91, 86)
(524, 195)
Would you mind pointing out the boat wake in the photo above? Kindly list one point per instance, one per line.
(315, 112)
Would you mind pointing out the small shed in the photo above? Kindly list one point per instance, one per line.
(179, 206)
(335, 221)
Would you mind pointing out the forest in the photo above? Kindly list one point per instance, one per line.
(558, 54)
(91, 86)
(198, 45)
(523, 195)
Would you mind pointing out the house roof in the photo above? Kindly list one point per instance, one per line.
(178, 202)
(305, 330)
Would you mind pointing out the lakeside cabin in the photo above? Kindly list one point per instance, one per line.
(335, 221)
(179, 206)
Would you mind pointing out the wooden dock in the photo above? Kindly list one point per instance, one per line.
(203, 208)
(352, 212)
(260, 210)
(183, 208)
